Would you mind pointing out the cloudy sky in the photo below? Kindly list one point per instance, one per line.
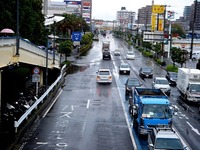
(106, 9)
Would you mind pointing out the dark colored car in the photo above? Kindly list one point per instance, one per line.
(172, 77)
(130, 84)
(106, 54)
(146, 72)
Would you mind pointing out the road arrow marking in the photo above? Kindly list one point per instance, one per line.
(65, 114)
(195, 130)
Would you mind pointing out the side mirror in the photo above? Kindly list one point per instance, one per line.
(151, 145)
(174, 109)
(135, 107)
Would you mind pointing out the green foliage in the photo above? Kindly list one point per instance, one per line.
(172, 68)
(177, 29)
(66, 47)
(147, 54)
(31, 19)
(178, 55)
(86, 38)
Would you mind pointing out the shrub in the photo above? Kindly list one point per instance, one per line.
(172, 68)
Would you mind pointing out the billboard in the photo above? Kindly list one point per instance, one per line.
(73, 7)
(159, 9)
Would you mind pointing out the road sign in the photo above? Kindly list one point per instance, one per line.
(76, 36)
(36, 70)
(35, 78)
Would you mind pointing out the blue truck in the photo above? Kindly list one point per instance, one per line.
(150, 108)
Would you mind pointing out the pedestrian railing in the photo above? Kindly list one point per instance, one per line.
(24, 117)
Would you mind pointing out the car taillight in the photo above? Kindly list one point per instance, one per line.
(110, 77)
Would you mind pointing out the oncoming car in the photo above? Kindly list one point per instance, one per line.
(130, 55)
(165, 138)
(146, 72)
(117, 52)
(104, 76)
(130, 84)
(124, 69)
(161, 83)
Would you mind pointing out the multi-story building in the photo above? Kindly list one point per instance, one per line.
(187, 12)
(195, 22)
(144, 15)
(126, 18)
(79, 7)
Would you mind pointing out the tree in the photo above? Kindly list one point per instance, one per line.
(178, 55)
(71, 23)
(66, 47)
(157, 48)
(177, 30)
(31, 19)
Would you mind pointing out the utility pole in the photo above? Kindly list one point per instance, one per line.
(193, 23)
(17, 32)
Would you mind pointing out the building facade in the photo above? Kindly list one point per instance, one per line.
(144, 15)
(78, 7)
(125, 18)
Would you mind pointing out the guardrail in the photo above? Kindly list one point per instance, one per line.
(17, 123)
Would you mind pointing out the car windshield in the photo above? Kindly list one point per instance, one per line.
(130, 53)
(194, 88)
(168, 143)
(162, 81)
(156, 111)
(146, 69)
(125, 66)
(133, 83)
(104, 73)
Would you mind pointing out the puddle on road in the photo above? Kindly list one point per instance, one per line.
(77, 68)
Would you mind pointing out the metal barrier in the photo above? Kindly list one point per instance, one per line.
(38, 101)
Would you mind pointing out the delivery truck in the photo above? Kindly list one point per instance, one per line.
(188, 83)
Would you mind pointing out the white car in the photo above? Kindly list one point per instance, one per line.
(104, 76)
(117, 52)
(124, 69)
(130, 55)
(161, 83)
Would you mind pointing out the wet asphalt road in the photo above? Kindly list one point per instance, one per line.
(94, 116)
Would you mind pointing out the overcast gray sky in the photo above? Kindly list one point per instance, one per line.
(106, 9)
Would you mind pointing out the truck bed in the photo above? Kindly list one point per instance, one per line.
(149, 92)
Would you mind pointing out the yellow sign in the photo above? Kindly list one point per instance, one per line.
(153, 22)
(160, 24)
(159, 9)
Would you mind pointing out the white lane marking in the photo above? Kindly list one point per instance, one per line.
(83, 129)
(88, 104)
(194, 129)
(42, 143)
(126, 117)
(72, 107)
(52, 104)
(65, 114)
(65, 107)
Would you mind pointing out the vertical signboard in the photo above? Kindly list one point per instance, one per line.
(160, 24)
(86, 10)
(153, 22)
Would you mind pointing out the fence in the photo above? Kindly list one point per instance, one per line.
(24, 117)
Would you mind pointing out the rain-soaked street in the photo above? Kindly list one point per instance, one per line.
(91, 116)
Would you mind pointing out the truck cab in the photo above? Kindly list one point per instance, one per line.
(151, 108)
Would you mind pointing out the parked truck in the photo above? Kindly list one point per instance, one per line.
(188, 83)
(106, 50)
(150, 108)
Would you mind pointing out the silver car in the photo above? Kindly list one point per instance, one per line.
(104, 76)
